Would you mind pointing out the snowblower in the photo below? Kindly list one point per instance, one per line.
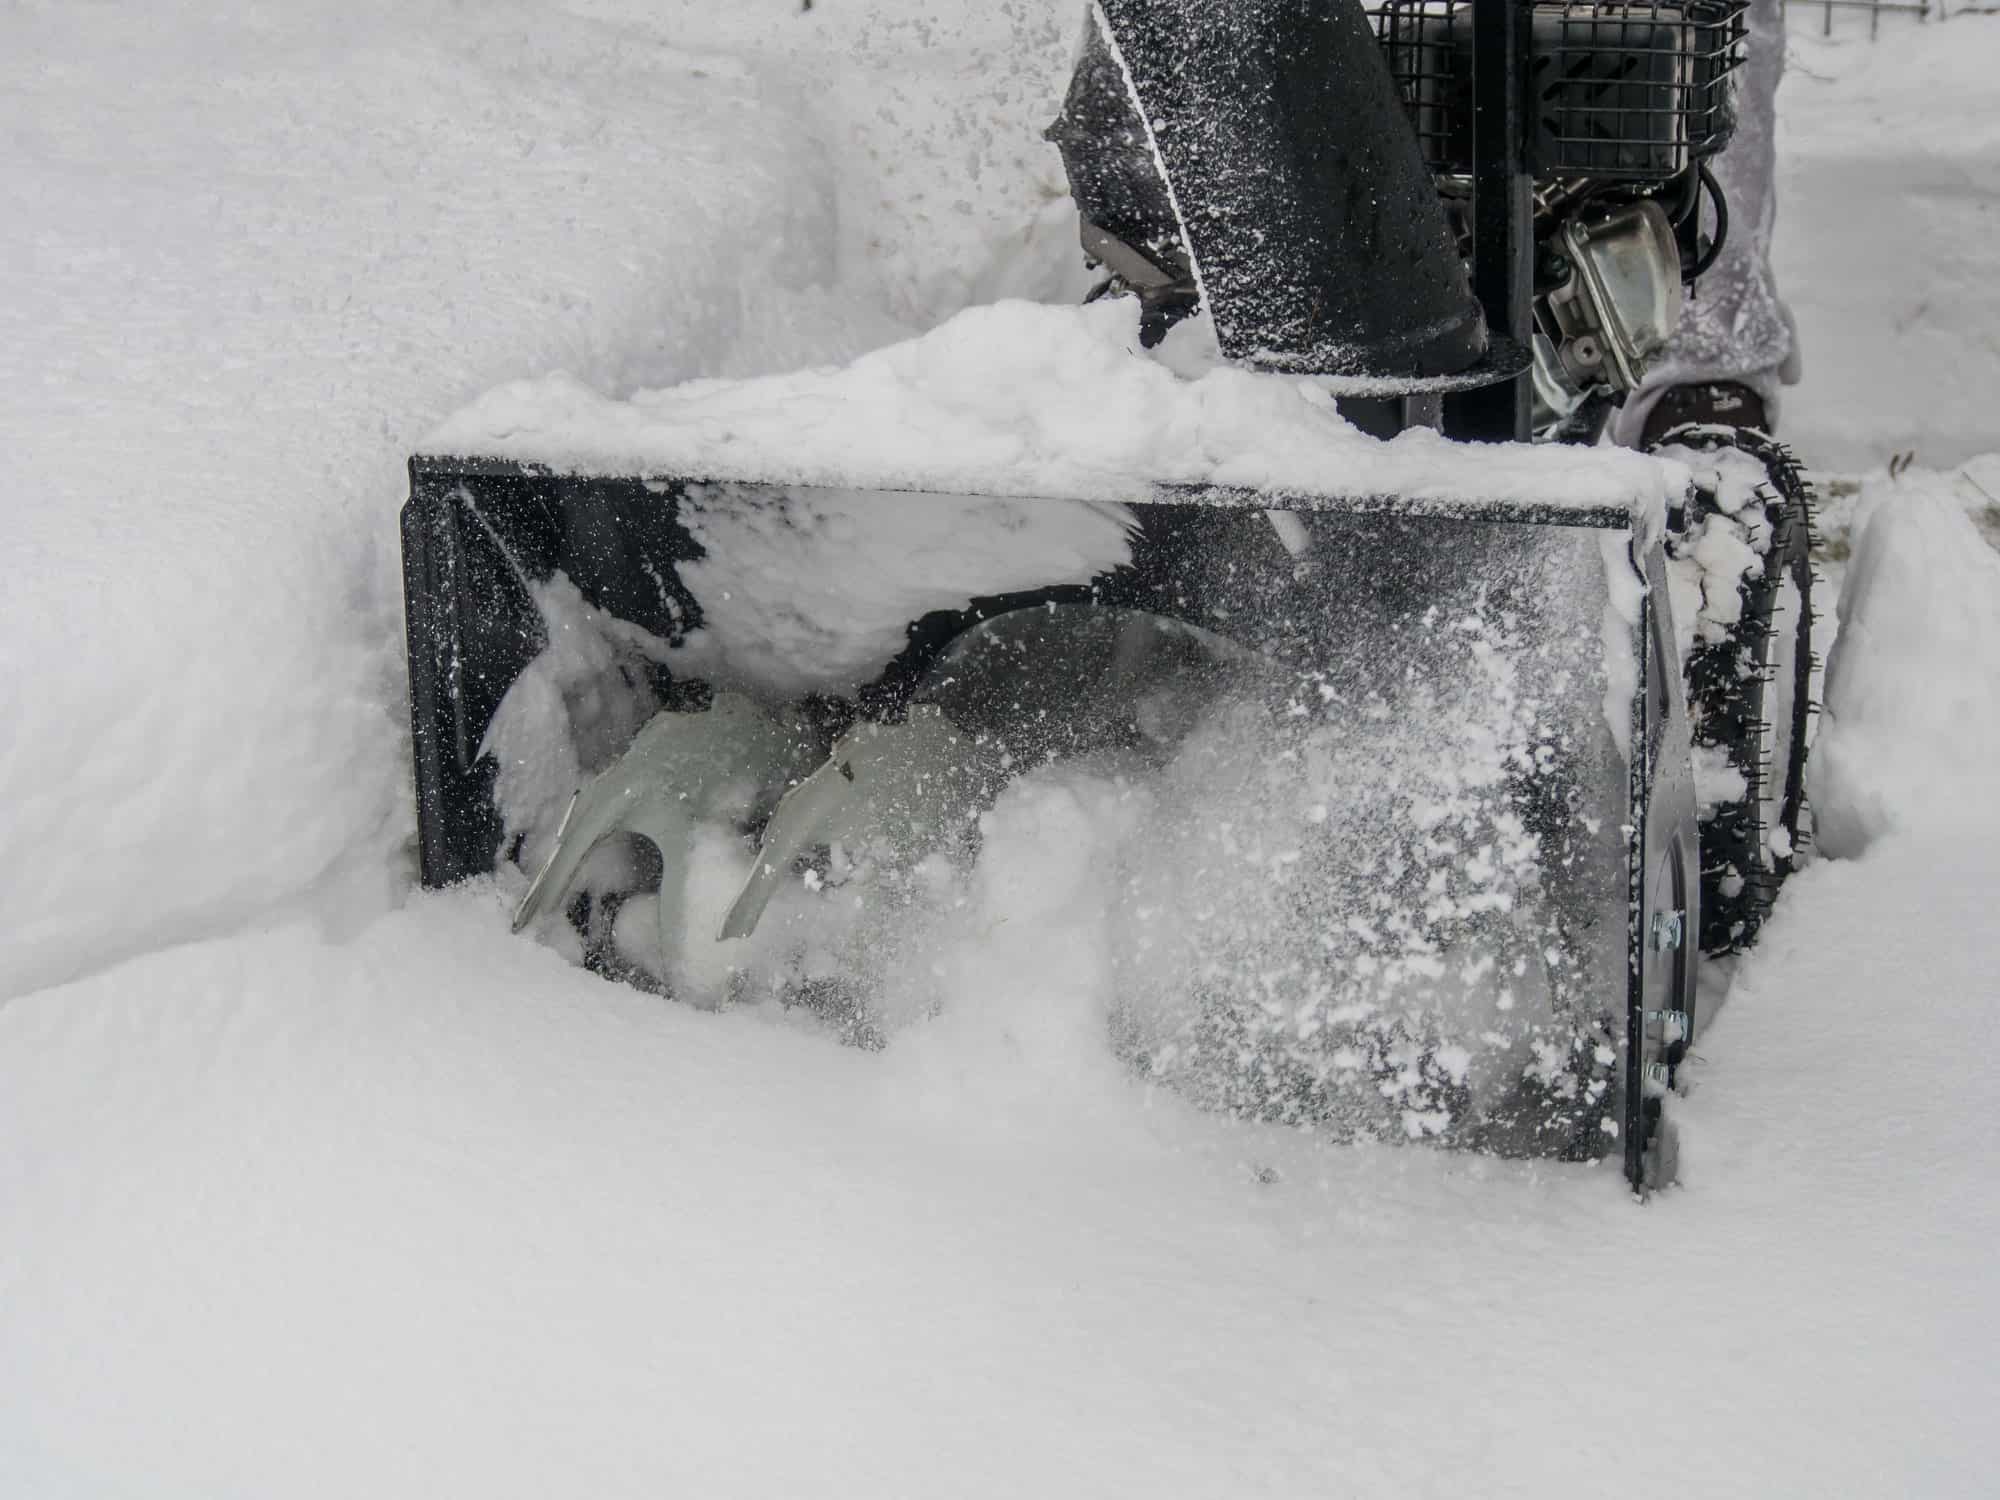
(1400, 765)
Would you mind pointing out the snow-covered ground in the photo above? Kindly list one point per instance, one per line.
(1889, 211)
(313, 1185)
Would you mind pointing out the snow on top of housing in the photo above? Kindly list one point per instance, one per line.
(1024, 399)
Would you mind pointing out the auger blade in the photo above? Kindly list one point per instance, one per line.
(912, 784)
(681, 767)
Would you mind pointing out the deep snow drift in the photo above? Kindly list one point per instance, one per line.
(313, 1186)
(253, 261)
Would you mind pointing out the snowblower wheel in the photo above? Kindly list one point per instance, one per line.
(1750, 671)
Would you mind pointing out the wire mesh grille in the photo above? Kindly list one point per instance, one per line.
(1633, 92)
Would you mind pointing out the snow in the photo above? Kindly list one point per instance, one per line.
(1018, 399)
(313, 1185)
(1901, 751)
(814, 590)
(254, 260)
(564, 715)
(1888, 211)
(250, 264)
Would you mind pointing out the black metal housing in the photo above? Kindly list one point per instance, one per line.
(1262, 143)
(479, 534)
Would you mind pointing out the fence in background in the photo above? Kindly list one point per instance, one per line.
(1921, 10)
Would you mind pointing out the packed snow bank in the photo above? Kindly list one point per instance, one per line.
(1023, 399)
(1903, 746)
(251, 260)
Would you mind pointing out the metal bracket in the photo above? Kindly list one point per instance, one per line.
(1667, 1026)
(1668, 928)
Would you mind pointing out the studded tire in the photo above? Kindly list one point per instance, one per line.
(1750, 677)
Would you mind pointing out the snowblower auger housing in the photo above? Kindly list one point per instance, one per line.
(1510, 656)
